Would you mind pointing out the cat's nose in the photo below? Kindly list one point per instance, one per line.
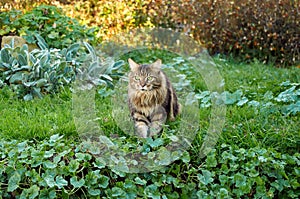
(143, 87)
(143, 84)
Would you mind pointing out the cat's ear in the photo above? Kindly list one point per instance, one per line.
(133, 66)
(157, 64)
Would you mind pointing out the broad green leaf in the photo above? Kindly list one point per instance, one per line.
(91, 178)
(55, 138)
(117, 192)
(22, 60)
(164, 156)
(73, 47)
(36, 92)
(107, 77)
(240, 180)
(83, 156)
(152, 192)
(60, 182)
(49, 179)
(77, 183)
(5, 55)
(49, 165)
(206, 177)
(16, 78)
(202, 194)
(21, 146)
(94, 192)
(44, 59)
(47, 194)
(140, 181)
(243, 101)
(185, 157)
(202, 94)
(99, 163)
(53, 35)
(224, 179)
(223, 193)
(232, 98)
(292, 108)
(287, 96)
(41, 82)
(49, 154)
(24, 47)
(117, 65)
(103, 181)
(28, 97)
(73, 166)
(13, 182)
(155, 143)
(94, 69)
(211, 160)
(30, 193)
(268, 96)
(105, 140)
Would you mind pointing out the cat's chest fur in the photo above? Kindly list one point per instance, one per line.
(145, 102)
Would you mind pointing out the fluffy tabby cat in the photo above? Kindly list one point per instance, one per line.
(151, 98)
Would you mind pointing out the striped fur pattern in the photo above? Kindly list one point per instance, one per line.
(151, 98)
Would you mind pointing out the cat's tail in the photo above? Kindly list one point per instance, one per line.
(175, 110)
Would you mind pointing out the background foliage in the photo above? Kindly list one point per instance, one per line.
(265, 30)
(58, 30)
(246, 29)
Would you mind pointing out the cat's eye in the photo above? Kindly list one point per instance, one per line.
(137, 78)
(149, 78)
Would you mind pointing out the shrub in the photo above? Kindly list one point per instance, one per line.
(265, 30)
(58, 30)
(110, 17)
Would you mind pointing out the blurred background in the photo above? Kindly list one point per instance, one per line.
(267, 31)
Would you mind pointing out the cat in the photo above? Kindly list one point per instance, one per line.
(151, 98)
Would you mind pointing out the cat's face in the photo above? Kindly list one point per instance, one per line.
(145, 77)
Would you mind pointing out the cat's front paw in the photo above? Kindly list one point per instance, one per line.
(155, 128)
(142, 131)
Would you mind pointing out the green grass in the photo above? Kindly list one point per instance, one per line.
(249, 127)
(37, 119)
(245, 126)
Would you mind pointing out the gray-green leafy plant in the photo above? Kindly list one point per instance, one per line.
(47, 70)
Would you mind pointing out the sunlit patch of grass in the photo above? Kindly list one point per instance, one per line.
(36, 119)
